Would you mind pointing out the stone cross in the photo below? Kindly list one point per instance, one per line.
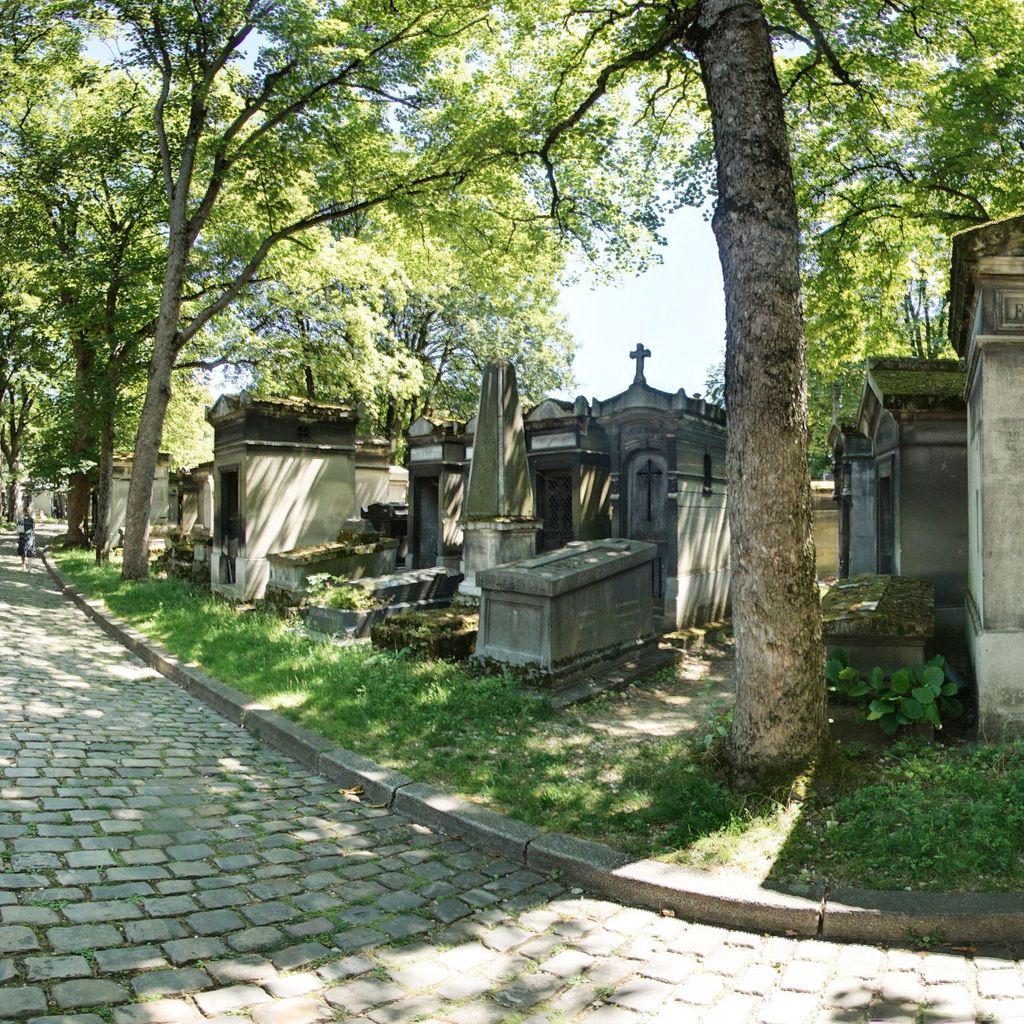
(640, 354)
(650, 474)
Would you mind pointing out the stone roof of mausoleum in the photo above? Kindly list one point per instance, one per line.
(971, 247)
(918, 383)
(280, 406)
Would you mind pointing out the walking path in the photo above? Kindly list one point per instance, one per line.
(160, 865)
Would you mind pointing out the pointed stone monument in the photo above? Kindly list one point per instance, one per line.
(499, 521)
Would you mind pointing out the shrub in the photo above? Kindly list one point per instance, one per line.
(329, 591)
(926, 693)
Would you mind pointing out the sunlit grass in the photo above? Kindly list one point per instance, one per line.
(927, 817)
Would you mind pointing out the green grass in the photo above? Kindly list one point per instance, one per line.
(927, 817)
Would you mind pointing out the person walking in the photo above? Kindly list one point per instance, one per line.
(26, 538)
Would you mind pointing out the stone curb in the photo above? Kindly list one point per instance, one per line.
(847, 915)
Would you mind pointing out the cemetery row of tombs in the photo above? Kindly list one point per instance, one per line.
(581, 527)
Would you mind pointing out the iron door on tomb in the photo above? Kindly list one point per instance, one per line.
(230, 525)
(645, 506)
(426, 521)
(555, 501)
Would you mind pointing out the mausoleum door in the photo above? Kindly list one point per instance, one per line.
(645, 504)
(886, 520)
(555, 505)
(426, 521)
(230, 525)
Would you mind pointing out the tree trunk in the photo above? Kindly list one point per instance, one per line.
(102, 539)
(147, 449)
(154, 408)
(78, 509)
(779, 720)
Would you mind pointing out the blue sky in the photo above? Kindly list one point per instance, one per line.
(676, 308)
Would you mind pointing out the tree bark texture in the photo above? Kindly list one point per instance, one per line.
(147, 449)
(779, 720)
(154, 408)
(79, 484)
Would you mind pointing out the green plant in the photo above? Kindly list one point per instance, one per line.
(333, 592)
(925, 693)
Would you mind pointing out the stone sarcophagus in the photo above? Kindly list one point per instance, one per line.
(565, 608)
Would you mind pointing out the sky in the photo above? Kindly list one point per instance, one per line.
(676, 308)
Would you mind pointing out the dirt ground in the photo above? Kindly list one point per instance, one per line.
(702, 686)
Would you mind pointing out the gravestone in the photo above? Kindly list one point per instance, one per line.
(567, 607)
(498, 514)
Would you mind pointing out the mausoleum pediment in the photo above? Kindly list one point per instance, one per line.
(550, 409)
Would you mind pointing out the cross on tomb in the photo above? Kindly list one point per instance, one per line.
(640, 354)
(650, 474)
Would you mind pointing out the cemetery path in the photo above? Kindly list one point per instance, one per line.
(700, 687)
(161, 866)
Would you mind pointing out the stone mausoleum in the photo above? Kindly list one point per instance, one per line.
(643, 465)
(284, 478)
(901, 480)
(987, 330)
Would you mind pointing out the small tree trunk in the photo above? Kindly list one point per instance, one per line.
(779, 720)
(104, 490)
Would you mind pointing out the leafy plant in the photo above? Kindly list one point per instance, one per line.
(332, 592)
(925, 693)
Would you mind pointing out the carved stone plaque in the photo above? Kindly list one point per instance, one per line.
(1010, 310)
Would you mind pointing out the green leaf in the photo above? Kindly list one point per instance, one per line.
(889, 726)
(931, 712)
(923, 695)
(912, 708)
(849, 674)
(901, 680)
(934, 678)
(859, 689)
(949, 689)
(877, 678)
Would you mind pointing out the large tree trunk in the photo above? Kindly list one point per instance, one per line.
(154, 408)
(78, 509)
(104, 489)
(147, 449)
(779, 721)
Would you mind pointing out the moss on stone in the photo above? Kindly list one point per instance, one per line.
(431, 634)
(921, 383)
(883, 606)
(354, 543)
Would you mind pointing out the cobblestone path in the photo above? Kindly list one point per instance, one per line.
(159, 865)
